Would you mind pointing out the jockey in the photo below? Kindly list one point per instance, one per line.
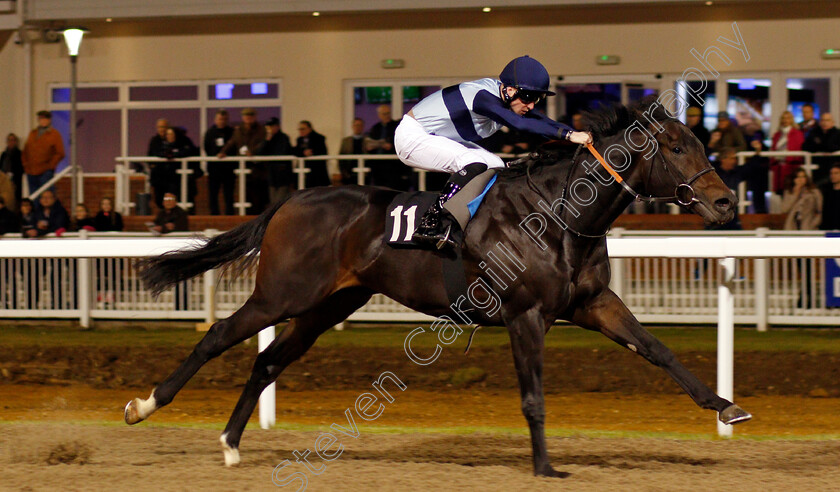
(440, 132)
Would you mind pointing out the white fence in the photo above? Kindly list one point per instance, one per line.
(95, 279)
(60, 276)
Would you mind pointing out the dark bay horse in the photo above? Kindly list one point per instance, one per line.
(322, 257)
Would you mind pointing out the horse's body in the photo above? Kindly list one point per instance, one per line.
(322, 256)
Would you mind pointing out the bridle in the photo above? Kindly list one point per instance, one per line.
(684, 193)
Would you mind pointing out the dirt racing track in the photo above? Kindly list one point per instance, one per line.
(614, 422)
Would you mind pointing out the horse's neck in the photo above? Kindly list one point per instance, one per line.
(611, 200)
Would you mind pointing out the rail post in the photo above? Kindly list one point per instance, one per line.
(762, 276)
(83, 273)
(268, 398)
(184, 171)
(241, 171)
(617, 268)
(726, 337)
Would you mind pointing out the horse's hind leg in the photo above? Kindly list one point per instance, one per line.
(295, 340)
(608, 314)
(253, 316)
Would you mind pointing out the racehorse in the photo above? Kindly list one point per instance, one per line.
(322, 256)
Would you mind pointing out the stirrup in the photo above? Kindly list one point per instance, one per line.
(445, 240)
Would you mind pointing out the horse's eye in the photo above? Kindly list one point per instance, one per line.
(677, 150)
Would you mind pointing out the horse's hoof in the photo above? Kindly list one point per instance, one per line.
(132, 412)
(548, 471)
(733, 414)
(231, 454)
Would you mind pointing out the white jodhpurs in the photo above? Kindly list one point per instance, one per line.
(418, 149)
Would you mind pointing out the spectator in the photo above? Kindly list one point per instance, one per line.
(107, 219)
(577, 122)
(353, 144)
(808, 122)
(43, 151)
(171, 218)
(7, 190)
(246, 139)
(27, 219)
(752, 129)
(732, 175)
(385, 172)
(82, 219)
(160, 173)
(786, 138)
(50, 216)
(280, 179)
(219, 174)
(11, 163)
(694, 122)
(831, 201)
(311, 143)
(802, 202)
(9, 221)
(758, 166)
(726, 135)
(825, 137)
(165, 177)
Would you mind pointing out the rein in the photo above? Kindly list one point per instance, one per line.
(684, 193)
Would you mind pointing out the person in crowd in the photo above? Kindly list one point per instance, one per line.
(107, 219)
(385, 172)
(82, 219)
(726, 135)
(7, 190)
(752, 129)
(171, 218)
(732, 175)
(26, 217)
(11, 163)
(9, 221)
(802, 202)
(825, 137)
(310, 143)
(831, 201)
(220, 175)
(165, 177)
(50, 216)
(43, 151)
(808, 122)
(694, 122)
(247, 138)
(352, 144)
(787, 138)
(159, 172)
(577, 122)
(279, 180)
(757, 181)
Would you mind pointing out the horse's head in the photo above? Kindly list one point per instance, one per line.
(667, 162)
(680, 168)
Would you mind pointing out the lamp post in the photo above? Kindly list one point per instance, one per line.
(73, 37)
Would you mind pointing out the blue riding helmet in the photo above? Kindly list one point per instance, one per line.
(526, 74)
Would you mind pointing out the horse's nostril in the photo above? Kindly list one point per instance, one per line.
(723, 204)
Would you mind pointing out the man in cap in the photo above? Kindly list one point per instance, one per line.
(43, 151)
(726, 135)
(278, 179)
(246, 139)
(219, 174)
(440, 132)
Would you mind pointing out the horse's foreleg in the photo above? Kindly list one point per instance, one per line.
(608, 314)
(527, 335)
(290, 345)
(252, 317)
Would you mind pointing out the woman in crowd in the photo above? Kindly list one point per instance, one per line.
(107, 219)
(787, 138)
(28, 220)
(82, 219)
(802, 202)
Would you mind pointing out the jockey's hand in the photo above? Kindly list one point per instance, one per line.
(581, 138)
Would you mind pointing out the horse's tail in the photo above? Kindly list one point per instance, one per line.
(243, 241)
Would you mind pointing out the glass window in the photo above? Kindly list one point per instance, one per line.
(749, 105)
(413, 94)
(815, 92)
(86, 94)
(254, 90)
(163, 93)
(696, 94)
(574, 98)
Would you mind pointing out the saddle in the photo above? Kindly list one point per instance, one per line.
(405, 210)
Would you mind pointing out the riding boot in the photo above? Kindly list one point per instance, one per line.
(438, 226)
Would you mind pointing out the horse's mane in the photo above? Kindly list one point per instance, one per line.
(604, 121)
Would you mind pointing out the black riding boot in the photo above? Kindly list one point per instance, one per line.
(437, 226)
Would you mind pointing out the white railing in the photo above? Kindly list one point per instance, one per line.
(124, 171)
(66, 272)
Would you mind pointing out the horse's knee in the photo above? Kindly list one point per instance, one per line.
(533, 407)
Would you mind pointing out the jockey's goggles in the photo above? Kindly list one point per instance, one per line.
(529, 97)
